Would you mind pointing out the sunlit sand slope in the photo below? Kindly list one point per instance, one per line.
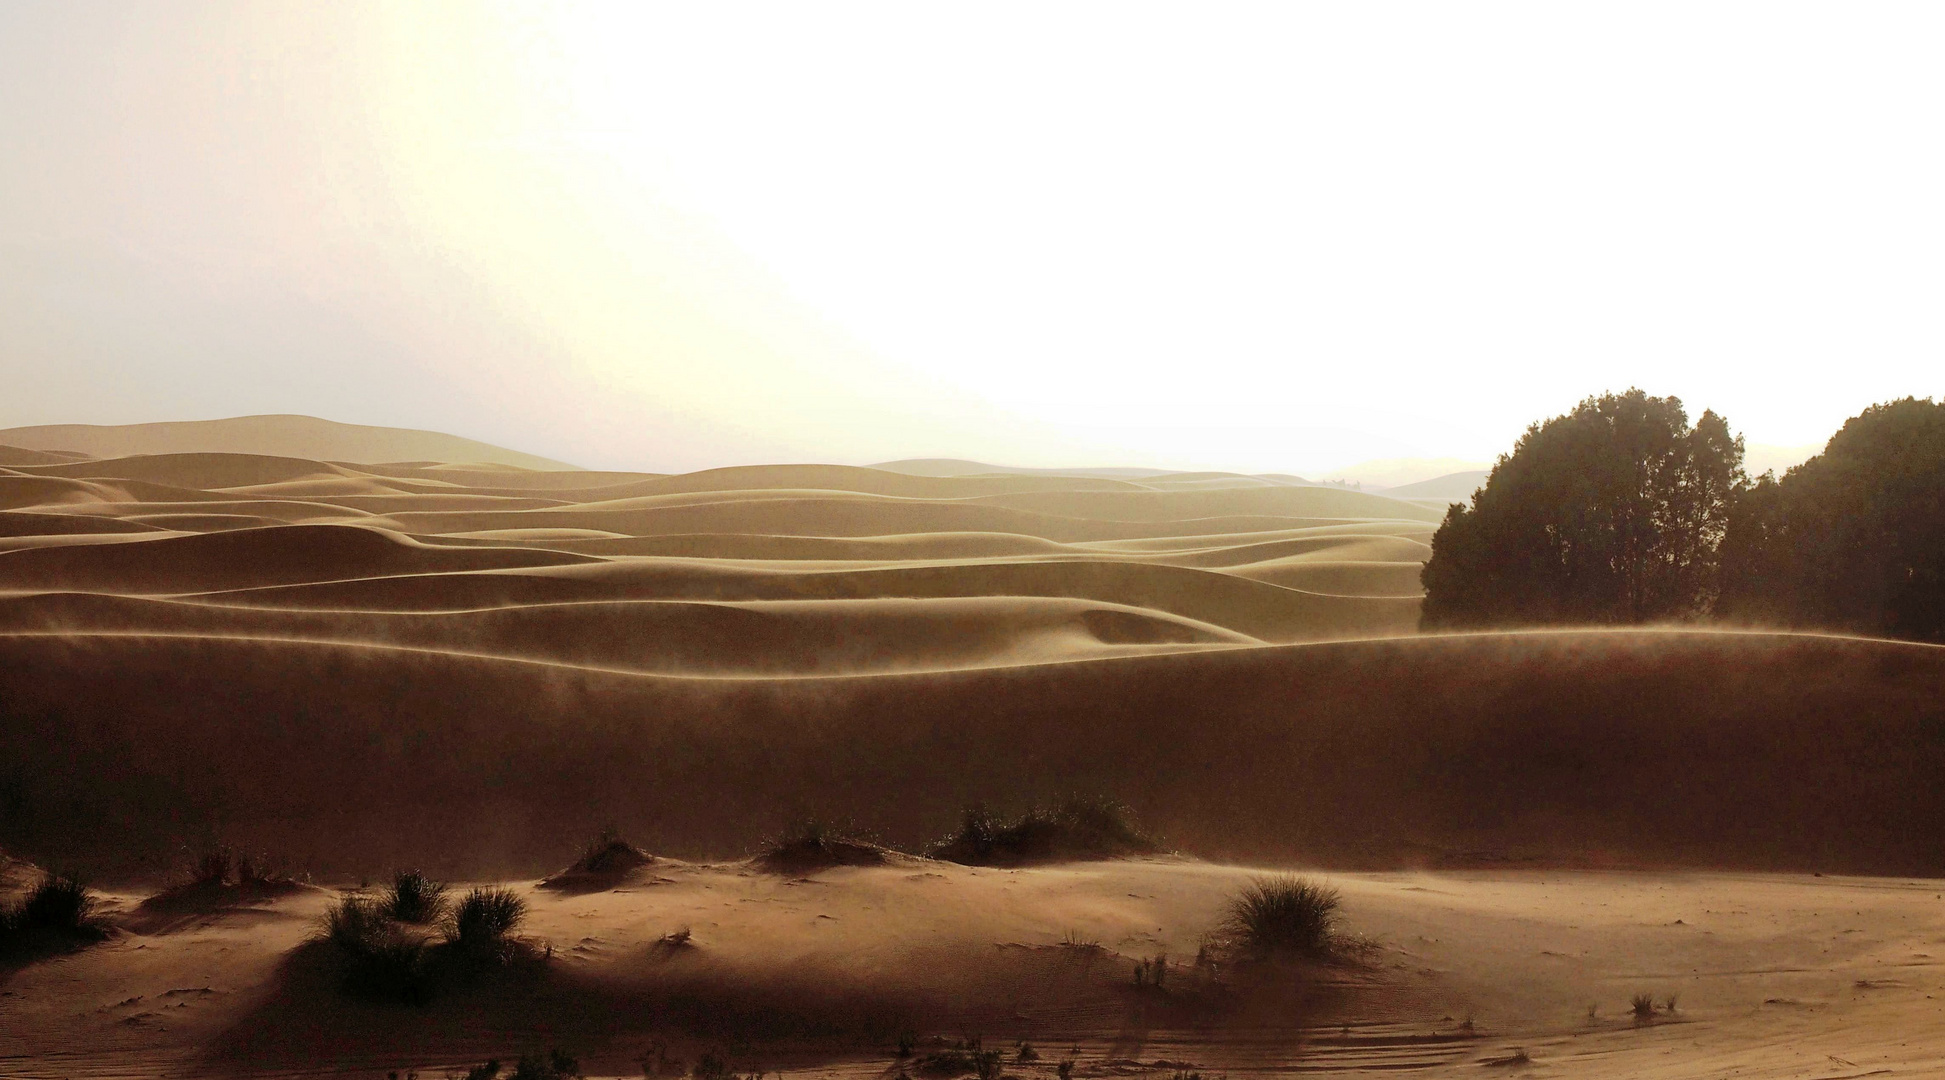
(919, 573)
(1582, 748)
(1770, 976)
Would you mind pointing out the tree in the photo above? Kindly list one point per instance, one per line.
(1854, 538)
(1613, 513)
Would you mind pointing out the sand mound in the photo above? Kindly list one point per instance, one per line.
(1614, 748)
(246, 558)
(285, 436)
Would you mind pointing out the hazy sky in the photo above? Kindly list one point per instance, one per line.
(1279, 237)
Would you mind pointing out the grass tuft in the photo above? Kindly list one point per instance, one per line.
(56, 916)
(381, 959)
(1284, 917)
(1078, 827)
(480, 925)
(812, 846)
(415, 898)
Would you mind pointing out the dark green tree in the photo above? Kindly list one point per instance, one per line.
(1613, 513)
(1854, 538)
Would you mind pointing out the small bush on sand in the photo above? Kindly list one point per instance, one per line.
(553, 1065)
(415, 898)
(1283, 917)
(213, 866)
(60, 904)
(608, 853)
(479, 926)
(381, 959)
(1076, 828)
(1644, 1006)
(57, 916)
(812, 846)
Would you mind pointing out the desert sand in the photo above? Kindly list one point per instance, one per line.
(471, 667)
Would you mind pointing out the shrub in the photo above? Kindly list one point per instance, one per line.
(480, 924)
(1644, 1006)
(1284, 917)
(213, 866)
(554, 1065)
(813, 845)
(60, 904)
(416, 898)
(381, 960)
(1076, 828)
(609, 854)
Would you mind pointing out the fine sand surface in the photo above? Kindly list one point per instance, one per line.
(1771, 976)
(472, 668)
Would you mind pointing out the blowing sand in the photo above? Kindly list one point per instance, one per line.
(471, 668)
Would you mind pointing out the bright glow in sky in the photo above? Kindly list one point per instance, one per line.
(1280, 237)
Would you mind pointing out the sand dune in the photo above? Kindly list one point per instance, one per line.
(472, 668)
(286, 436)
(1681, 749)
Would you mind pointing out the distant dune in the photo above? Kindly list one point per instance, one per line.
(471, 666)
(277, 436)
(1455, 487)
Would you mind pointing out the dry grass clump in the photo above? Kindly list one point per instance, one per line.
(382, 959)
(1284, 918)
(56, 916)
(386, 958)
(481, 926)
(415, 898)
(1076, 828)
(813, 846)
(603, 862)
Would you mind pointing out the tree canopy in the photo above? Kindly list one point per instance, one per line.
(1854, 538)
(1613, 513)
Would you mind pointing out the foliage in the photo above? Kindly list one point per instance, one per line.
(381, 960)
(1284, 917)
(1077, 828)
(1854, 538)
(1613, 513)
(416, 898)
(609, 854)
(58, 915)
(554, 1065)
(480, 924)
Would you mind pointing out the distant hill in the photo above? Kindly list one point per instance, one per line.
(1457, 487)
(276, 436)
(961, 467)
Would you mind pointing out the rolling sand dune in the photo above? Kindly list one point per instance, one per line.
(1605, 749)
(286, 436)
(472, 668)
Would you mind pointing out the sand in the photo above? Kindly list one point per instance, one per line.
(473, 667)
(1771, 975)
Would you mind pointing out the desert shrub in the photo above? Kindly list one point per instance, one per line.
(415, 898)
(553, 1065)
(1644, 1006)
(711, 1066)
(213, 866)
(608, 854)
(479, 926)
(812, 845)
(381, 959)
(60, 904)
(965, 1056)
(486, 1070)
(1076, 828)
(1284, 917)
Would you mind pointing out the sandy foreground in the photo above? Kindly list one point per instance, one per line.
(1772, 976)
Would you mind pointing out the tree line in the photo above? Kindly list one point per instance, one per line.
(1622, 512)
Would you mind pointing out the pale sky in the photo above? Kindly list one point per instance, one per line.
(1282, 237)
